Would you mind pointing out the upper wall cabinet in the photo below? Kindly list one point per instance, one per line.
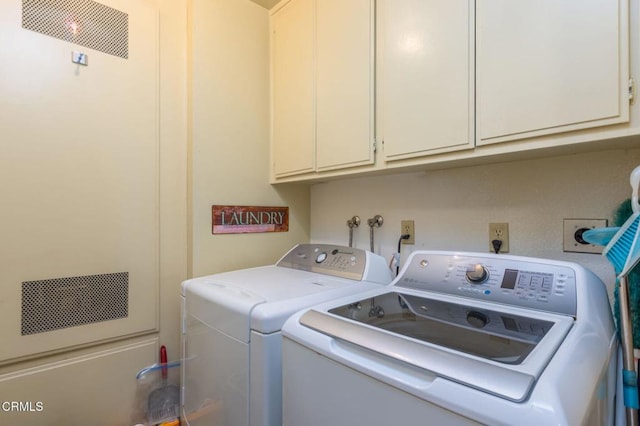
(345, 64)
(426, 76)
(456, 81)
(293, 97)
(323, 63)
(550, 66)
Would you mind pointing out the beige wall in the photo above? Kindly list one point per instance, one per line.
(452, 208)
(230, 136)
(173, 168)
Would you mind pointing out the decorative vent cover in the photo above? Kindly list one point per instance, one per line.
(68, 302)
(82, 22)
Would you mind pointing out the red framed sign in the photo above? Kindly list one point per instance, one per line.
(249, 219)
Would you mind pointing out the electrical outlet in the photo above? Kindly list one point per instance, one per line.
(408, 227)
(572, 235)
(499, 231)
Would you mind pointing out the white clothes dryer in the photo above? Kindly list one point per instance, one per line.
(457, 339)
(231, 339)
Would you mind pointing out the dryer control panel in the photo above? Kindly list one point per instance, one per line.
(512, 280)
(338, 261)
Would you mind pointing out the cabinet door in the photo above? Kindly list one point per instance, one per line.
(344, 83)
(550, 66)
(426, 81)
(293, 121)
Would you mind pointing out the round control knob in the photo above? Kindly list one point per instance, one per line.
(477, 274)
(321, 257)
(477, 319)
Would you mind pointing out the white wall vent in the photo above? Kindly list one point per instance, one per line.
(83, 22)
(59, 303)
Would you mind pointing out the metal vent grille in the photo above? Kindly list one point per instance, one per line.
(68, 302)
(82, 22)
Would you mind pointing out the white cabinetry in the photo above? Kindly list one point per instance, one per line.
(550, 66)
(344, 83)
(322, 85)
(293, 98)
(426, 82)
(458, 81)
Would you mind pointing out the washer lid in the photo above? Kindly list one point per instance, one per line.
(260, 298)
(478, 346)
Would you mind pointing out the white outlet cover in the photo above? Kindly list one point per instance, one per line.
(571, 226)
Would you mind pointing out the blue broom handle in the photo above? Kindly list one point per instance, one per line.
(630, 385)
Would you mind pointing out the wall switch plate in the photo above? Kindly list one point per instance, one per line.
(408, 227)
(499, 231)
(572, 235)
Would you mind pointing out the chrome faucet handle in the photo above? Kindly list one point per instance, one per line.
(354, 222)
(374, 222)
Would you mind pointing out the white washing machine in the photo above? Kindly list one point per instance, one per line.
(457, 339)
(232, 343)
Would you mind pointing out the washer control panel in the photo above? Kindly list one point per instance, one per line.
(340, 261)
(512, 280)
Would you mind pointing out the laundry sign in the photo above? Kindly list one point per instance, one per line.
(248, 219)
